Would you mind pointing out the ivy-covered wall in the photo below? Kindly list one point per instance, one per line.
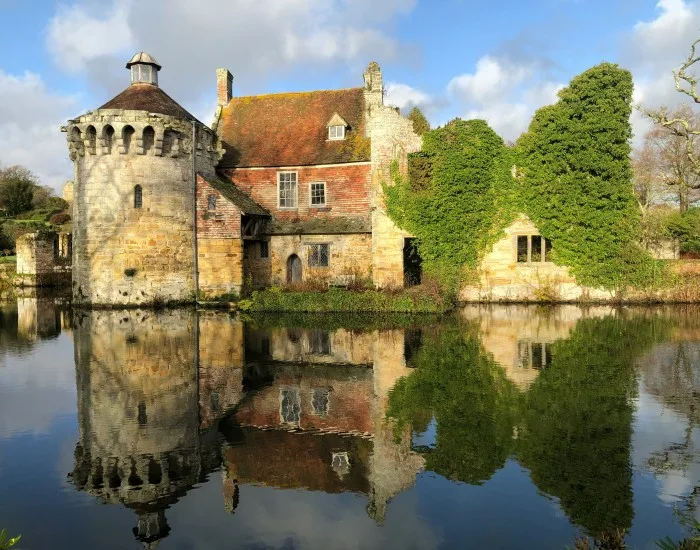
(570, 174)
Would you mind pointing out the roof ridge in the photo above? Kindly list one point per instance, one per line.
(300, 92)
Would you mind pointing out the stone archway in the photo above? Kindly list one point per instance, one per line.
(294, 269)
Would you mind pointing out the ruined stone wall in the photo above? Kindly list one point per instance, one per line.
(351, 256)
(392, 139)
(123, 254)
(347, 190)
(504, 279)
(43, 259)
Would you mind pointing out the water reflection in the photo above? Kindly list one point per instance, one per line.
(589, 403)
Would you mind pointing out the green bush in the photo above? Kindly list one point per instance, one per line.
(339, 300)
(686, 227)
(60, 219)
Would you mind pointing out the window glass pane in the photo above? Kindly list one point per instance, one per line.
(264, 249)
(211, 202)
(547, 251)
(537, 355)
(320, 342)
(318, 194)
(288, 189)
(319, 255)
(290, 406)
(536, 250)
(138, 197)
(522, 248)
(319, 401)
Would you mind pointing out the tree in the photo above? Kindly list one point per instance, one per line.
(576, 180)
(420, 123)
(669, 152)
(687, 129)
(17, 185)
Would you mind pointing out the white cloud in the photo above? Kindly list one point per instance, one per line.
(30, 116)
(653, 49)
(504, 93)
(406, 97)
(256, 39)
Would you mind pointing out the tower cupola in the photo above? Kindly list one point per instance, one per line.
(144, 69)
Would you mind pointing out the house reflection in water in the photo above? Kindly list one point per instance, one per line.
(304, 408)
(313, 414)
(520, 340)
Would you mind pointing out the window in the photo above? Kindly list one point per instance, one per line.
(319, 401)
(290, 405)
(318, 194)
(336, 132)
(319, 255)
(138, 196)
(287, 189)
(211, 202)
(534, 355)
(320, 342)
(264, 249)
(533, 248)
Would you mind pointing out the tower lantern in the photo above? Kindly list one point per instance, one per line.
(144, 69)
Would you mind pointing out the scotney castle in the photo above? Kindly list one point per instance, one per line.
(281, 189)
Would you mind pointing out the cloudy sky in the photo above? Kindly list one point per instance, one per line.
(498, 60)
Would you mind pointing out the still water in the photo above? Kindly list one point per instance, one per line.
(501, 427)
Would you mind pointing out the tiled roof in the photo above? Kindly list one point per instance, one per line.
(319, 226)
(147, 97)
(244, 202)
(290, 129)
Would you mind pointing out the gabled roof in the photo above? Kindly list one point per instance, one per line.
(232, 193)
(337, 120)
(291, 129)
(147, 97)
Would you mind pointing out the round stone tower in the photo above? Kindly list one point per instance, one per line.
(133, 206)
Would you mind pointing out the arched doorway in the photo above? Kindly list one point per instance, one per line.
(293, 269)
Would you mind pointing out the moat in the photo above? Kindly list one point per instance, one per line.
(494, 427)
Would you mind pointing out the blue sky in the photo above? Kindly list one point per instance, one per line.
(497, 60)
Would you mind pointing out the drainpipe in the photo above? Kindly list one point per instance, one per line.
(194, 204)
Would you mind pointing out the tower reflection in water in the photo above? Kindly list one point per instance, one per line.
(165, 398)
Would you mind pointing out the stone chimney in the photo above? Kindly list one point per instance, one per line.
(374, 87)
(224, 87)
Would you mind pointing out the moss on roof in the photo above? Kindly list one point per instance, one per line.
(232, 193)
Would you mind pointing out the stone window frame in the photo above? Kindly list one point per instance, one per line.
(290, 405)
(318, 262)
(280, 175)
(211, 202)
(321, 401)
(336, 132)
(311, 194)
(544, 254)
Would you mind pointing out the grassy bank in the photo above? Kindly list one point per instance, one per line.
(340, 300)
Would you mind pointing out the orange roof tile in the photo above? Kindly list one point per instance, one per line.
(290, 129)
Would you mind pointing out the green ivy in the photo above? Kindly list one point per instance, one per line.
(574, 163)
(457, 199)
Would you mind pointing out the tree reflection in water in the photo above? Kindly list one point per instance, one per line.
(571, 427)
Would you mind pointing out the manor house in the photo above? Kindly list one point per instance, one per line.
(282, 188)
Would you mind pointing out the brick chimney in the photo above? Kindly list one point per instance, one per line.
(224, 87)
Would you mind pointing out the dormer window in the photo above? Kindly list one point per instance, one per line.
(336, 132)
(337, 127)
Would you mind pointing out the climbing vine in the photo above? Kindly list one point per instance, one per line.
(570, 173)
(457, 198)
(576, 180)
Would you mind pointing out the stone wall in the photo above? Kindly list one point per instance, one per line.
(219, 244)
(393, 139)
(347, 190)
(350, 257)
(43, 259)
(504, 279)
(124, 254)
